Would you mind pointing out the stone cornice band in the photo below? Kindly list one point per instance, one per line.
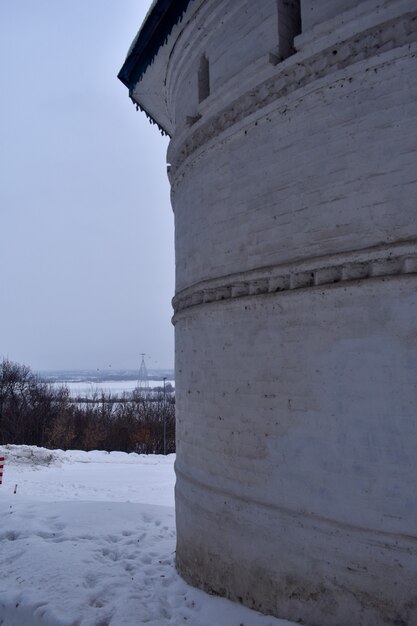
(382, 261)
(294, 74)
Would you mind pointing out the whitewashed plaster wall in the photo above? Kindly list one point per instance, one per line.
(296, 451)
(294, 187)
(218, 30)
(319, 11)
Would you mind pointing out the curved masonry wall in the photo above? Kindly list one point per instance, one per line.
(294, 187)
(292, 495)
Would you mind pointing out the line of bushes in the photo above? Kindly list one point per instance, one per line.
(33, 412)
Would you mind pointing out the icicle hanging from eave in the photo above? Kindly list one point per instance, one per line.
(151, 120)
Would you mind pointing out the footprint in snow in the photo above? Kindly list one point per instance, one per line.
(90, 581)
(129, 567)
(9, 535)
(113, 555)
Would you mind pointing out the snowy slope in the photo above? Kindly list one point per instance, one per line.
(89, 540)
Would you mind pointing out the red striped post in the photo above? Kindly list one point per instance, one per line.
(1, 468)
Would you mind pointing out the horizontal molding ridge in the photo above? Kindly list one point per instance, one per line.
(382, 261)
(293, 513)
(294, 74)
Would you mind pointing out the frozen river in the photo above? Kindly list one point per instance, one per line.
(88, 389)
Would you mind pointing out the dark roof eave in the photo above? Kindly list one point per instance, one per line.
(153, 34)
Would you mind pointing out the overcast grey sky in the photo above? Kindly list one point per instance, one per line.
(86, 227)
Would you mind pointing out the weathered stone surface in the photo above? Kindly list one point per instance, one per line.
(294, 187)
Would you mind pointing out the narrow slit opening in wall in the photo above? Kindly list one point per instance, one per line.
(289, 26)
(203, 78)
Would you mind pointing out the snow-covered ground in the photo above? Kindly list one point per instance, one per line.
(89, 539)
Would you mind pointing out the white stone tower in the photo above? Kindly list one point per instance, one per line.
(293, 168)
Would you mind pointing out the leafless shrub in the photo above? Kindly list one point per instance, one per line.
(35, 413)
